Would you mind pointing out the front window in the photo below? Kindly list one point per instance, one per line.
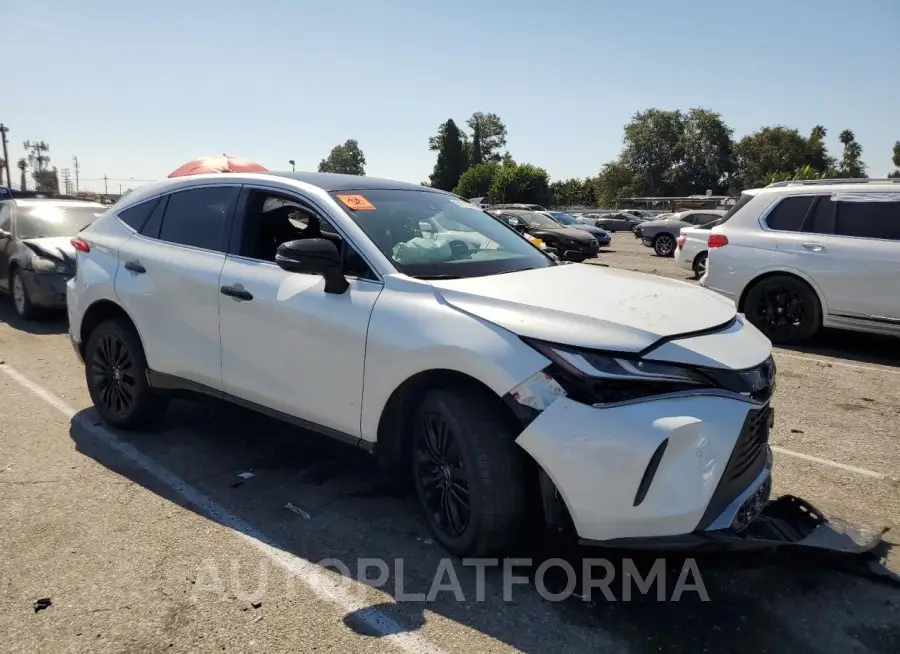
(51, 219)
(432, 235)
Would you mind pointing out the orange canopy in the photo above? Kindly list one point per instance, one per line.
(223, 164)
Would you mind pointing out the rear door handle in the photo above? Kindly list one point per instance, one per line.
(135, 267)
(813, 247)
(237, 292)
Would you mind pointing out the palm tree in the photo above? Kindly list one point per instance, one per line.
(23, 166)
(851, 166)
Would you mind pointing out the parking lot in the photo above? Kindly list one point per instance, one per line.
(155, 542)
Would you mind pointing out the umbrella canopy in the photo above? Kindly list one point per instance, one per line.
(223, 164)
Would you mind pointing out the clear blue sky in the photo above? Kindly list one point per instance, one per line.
(135, 89)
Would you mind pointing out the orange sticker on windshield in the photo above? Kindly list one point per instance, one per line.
(356, 202)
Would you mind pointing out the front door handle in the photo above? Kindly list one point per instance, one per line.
(135, 267)
(237, 292)
(813, 247)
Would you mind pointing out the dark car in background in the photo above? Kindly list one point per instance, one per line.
(618, 222)
(568, 243)
(37, 257)
(661, 234)
(566, 220)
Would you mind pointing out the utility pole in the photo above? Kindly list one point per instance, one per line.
(105, 187)
(77, 167)
(3, 130)
(67, 180)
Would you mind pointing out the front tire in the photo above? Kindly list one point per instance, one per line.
(784, 308)
(116, 373)
(19, 293)
(664, 245)
(468, 472)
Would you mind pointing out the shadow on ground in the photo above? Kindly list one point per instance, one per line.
(48, 322)
(757, 603)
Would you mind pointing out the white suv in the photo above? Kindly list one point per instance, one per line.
(481, 367)
(796, 256)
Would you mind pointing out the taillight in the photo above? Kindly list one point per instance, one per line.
(80, 244)
(681, 241)
(717, 241)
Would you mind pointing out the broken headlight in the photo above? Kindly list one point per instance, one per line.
(599, 378)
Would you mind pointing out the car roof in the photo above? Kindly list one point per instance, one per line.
(822, 186)
(37, 202)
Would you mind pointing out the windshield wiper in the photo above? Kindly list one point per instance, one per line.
(437, 276)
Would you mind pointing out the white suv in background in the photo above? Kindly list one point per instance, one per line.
(494, 377)
(797, 256)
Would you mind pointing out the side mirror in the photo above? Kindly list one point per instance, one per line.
(314, 256)
(516, 224)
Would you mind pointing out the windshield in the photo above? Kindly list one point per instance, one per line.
(564, 218)
(462, 241)
(535, 220)
(51, 219)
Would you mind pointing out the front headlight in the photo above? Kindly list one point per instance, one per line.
(596, 378)
(40, 264)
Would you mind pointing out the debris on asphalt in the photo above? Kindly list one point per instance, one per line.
(245, 475)
(796, 431)
(42, 603)
(428, 541)
(296, 509)
(255, 605)
(6, 468)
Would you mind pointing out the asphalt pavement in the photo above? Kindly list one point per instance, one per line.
(225, 531)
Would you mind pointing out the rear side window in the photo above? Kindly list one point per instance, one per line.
(136, 216)
(789, 213)
(868, 219)
(196, 217)
(154, 222)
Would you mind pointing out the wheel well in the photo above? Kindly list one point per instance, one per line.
(394, 426)
(775, 273)
(97, 313)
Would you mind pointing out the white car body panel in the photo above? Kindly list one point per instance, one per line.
(633, 311)
(854, 278)
(335, 360)
(598, 460)
(295, 348)
(694, 244)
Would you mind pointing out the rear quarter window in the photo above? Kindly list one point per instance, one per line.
(136, 216)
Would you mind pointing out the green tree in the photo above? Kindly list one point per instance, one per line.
(46, 180)
(851, 164)
(523, 183)
(452, 159)
(766, 152)
(614, 182)
(817, 157)
(706, 150)
(488, 137)
(654, 149)
(896, 160)
(347, 159)
(476, 181)
(572, 192)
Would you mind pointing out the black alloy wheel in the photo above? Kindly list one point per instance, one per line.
(700, 265)
(442, 476)
(664, 245)
(784, 308)
(116, 374)
(113, 374)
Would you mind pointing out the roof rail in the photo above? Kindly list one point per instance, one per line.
(841, 180)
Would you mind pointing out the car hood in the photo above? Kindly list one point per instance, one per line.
(589, 306)
(590, 229)
(55, 247)
(573, 233)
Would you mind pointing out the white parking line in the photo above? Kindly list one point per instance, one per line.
(840, 364)
(830, 463)
(324, 585)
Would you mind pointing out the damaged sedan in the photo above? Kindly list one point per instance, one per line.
(480, 367)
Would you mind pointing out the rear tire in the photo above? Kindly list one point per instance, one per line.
(468, 472)
(664, 245)
(116, 373)
(784, 308)
(699, 264)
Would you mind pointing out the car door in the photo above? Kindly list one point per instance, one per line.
(6, 243)
(168, 281)
(287, 345)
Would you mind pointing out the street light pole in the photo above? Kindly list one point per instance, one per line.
(293, 165)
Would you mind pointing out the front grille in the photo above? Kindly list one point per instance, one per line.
(748, 458)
